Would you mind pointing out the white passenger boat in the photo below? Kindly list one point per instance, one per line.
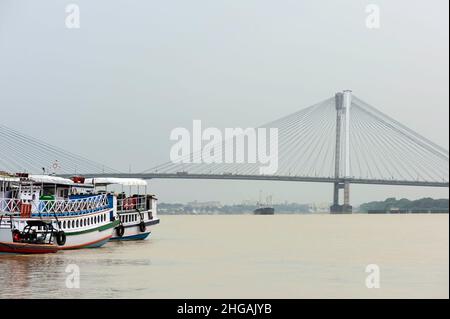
(33, 205)
(136, 212)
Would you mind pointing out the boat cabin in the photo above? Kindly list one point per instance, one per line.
(133, 201)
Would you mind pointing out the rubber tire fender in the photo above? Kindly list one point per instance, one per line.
(120, 230)
(61, 238)
(142, 227)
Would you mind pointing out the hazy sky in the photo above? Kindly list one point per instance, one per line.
(114, 89)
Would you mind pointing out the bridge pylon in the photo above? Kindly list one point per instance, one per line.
(343, 103)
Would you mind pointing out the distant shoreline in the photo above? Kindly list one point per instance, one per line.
(301, 213)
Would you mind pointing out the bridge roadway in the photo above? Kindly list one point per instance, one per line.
(183, 175)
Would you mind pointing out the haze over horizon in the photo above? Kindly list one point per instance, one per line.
(113, 90)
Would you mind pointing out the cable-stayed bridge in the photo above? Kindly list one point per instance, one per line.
(341, 140)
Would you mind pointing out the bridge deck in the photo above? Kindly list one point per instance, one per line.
(271, 178)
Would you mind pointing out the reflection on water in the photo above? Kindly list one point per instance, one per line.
(289, 256)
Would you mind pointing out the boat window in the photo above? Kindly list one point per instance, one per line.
(73, 223)
(48, 190)
(64, 224)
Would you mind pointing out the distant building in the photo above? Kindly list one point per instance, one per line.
(319, 207)
(197, 204)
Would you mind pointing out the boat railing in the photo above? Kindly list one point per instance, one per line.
(26, 208)
(132, 203)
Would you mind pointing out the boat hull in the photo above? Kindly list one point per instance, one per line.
(81, 231)
(90, 238)
(264, 211)
(133, 231)
(140, 236)
(29, 249)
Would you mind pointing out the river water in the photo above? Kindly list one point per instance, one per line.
(246, 256)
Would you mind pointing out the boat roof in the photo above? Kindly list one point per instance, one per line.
(103, 181)
(4, 178)
(38, 223)
(41, 179)
(49, 179)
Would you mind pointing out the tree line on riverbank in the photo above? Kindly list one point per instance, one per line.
(391, 203)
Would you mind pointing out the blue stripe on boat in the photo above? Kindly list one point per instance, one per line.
(132, 237)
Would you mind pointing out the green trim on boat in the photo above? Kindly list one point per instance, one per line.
(99, 228)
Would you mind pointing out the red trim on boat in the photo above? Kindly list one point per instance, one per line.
(23, 248)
